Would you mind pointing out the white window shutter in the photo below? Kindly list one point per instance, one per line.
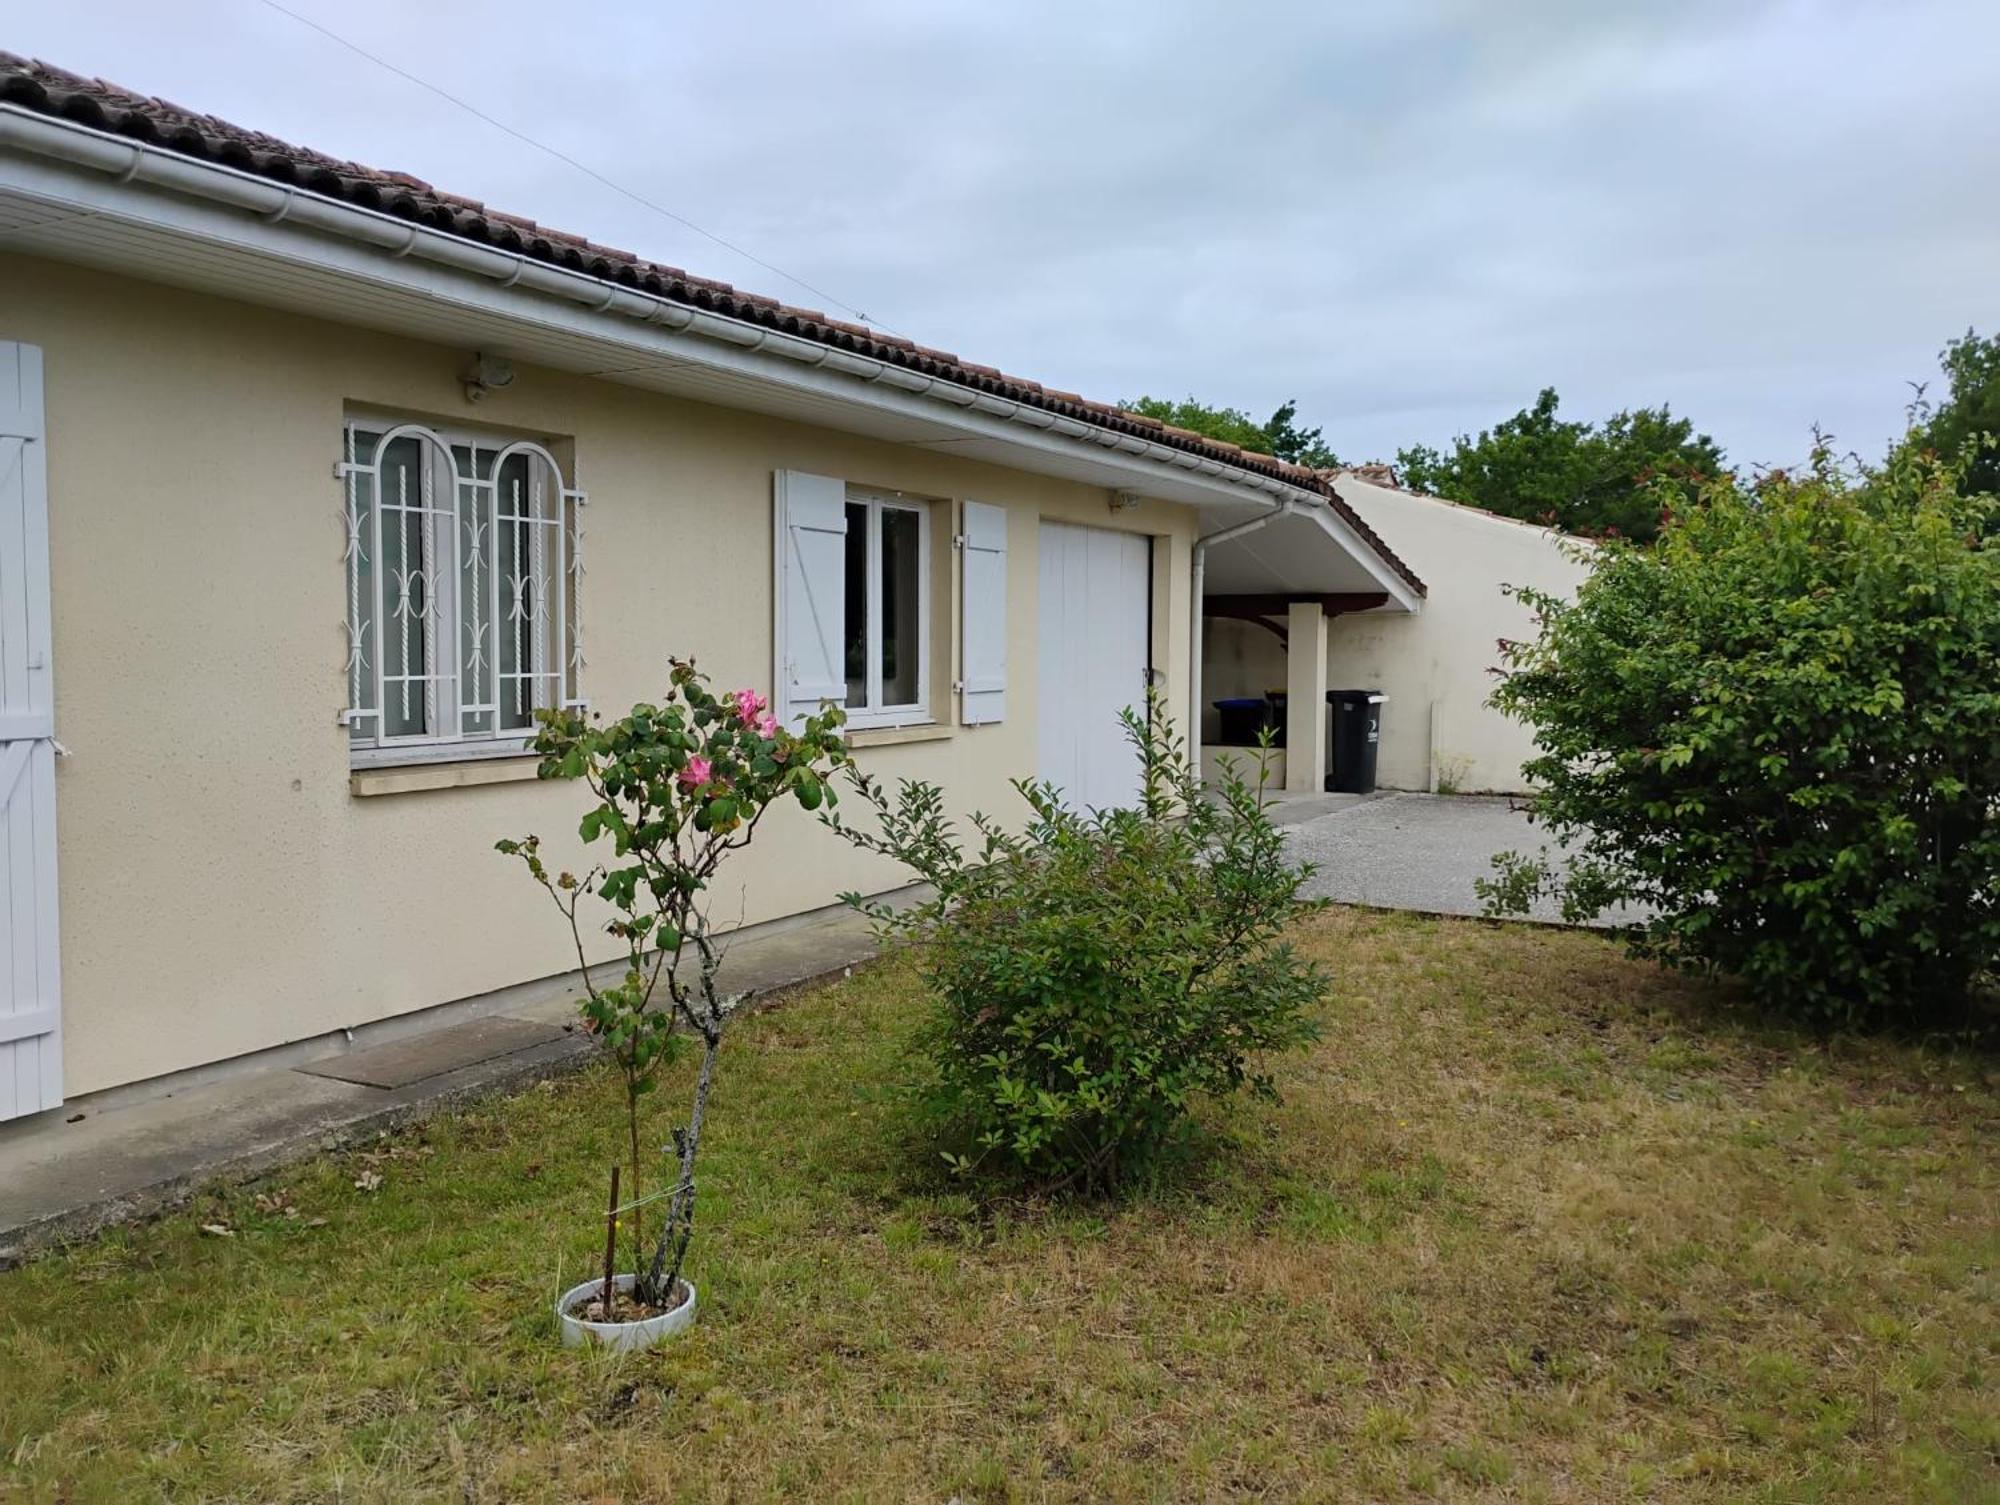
(811, 535)
(983, 613)
(30, 987)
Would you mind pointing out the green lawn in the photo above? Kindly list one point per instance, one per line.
(1533, 1223)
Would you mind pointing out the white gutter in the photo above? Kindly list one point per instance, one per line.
(1195, 633)
(130, 162)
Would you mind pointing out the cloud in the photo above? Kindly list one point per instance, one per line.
(1410, 217)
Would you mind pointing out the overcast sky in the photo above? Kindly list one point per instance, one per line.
(1409, 216)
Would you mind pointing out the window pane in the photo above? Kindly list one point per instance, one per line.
(900, 597)
(572, 665)
(476, 593)
(856, 640)
(363, 604)
(522, 580)
(405, 589)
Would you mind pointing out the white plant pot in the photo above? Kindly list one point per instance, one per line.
(620, 1337)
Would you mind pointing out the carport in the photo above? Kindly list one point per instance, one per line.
(1283, 575)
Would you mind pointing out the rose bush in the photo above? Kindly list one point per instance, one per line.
(677, 787)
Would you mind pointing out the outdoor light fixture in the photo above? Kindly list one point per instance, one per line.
(487, 373)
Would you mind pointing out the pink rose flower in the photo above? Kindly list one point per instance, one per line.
(698, 772)
(748, 704)
(767, 726)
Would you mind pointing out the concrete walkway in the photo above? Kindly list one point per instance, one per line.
(1417, 851)
(82, 1167)
(1411, 851)
(1297, 809)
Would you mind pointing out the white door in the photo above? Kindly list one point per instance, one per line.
(30, 995)
(1095, 633)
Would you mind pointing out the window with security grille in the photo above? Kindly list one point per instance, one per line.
(461, 591)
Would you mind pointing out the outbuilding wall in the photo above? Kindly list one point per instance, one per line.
(222, 886)
(1439, 666)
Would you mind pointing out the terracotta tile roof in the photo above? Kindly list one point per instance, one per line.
(52, 91)
(1378, 472)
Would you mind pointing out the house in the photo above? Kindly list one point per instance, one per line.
(316, 481)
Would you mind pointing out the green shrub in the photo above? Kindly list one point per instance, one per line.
(1098, 972)
(1779, 728)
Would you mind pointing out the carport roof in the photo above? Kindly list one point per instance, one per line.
(1302, 554)
(47, 90)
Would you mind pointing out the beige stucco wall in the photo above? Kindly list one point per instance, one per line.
(222, 888)
(1440, 661)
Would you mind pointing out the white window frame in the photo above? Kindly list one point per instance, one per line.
(874, 713)
(557, 672)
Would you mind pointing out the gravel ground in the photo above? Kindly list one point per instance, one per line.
(1414, 851)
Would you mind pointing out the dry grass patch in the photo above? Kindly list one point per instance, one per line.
(1533, 1223)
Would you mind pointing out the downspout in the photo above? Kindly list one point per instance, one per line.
(1432, 783)
(1220, 535)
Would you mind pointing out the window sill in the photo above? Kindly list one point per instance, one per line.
(410, 755)
(410, 777)
(891, 736)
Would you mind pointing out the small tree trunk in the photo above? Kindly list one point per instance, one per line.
(658, 1281)
(672, 1247)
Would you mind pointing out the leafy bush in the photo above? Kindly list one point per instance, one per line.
(1779, 728)
(1099, 971)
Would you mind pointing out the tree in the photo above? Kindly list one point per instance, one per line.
(1777, 730)
(1301, 446)
(1279, 436)
(1589, 479)
(1972, 367)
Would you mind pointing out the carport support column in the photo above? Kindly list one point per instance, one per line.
(1305, 698)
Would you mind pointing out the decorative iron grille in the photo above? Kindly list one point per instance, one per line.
(463, 556)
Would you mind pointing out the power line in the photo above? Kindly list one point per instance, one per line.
(568, 160)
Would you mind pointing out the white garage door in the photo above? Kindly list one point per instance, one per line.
(1095, 633)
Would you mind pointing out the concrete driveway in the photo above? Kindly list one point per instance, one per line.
(1409, 851)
